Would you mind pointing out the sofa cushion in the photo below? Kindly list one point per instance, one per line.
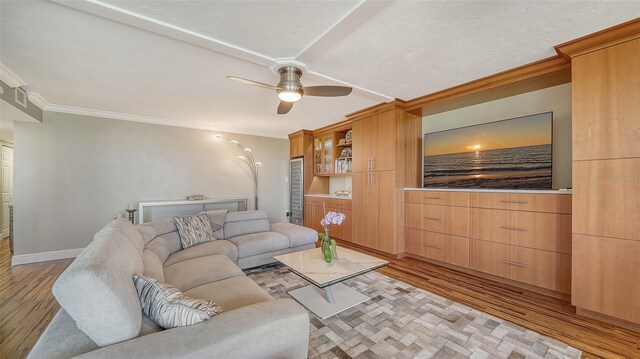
(97, 291)
(194, 230)
(148, 233)
(258, 243)
(217, 218)
(163, 226)
(231, 293)
(219, 246)
(165, 245)
(168, 307)
(198, 271)
(153, 267)
(298, 235)
(245, 222)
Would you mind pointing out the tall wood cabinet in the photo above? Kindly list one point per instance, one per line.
(606, 180)
(386, 150)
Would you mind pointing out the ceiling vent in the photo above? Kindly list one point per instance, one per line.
(21, 97)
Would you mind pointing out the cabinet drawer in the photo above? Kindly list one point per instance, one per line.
(434, 197)
(441, 219)
(490, 224)
(532, 266)
(329, 203)
(441, 247)
(489, 257)
(314, 201)
(547, 231)
(541, 268)
(605, 276)
(551, 203)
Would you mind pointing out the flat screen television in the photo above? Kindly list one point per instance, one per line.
(509, 154)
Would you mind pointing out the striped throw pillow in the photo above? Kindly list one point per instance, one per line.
(194, 230)
(168, 307)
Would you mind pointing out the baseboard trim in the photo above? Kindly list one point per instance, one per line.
(17, 260)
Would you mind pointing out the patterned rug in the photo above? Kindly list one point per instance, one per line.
(401, 321)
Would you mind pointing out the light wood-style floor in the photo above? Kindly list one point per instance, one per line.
(27, 306)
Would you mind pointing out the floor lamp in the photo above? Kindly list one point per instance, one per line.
(249, 161)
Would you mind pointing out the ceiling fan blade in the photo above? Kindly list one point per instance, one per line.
(254, 83)
(284, 107)
(327, 90)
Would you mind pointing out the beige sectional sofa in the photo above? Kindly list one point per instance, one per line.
(101, 316)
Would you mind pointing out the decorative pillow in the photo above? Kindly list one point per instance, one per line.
(194, 230)
(168, 307)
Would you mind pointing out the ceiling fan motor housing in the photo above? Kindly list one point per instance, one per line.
(290, 79)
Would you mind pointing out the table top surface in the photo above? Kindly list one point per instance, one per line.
(310, 265)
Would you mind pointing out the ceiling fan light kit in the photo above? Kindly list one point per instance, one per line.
(290, 89)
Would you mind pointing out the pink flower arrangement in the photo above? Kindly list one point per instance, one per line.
(331, 218)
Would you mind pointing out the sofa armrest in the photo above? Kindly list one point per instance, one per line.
(273, 329)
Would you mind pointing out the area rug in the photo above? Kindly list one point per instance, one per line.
(401, 321)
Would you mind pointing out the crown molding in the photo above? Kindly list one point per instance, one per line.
(10, 78)
(146, 119)
(537, 75)
(614, 35)
(38, 100)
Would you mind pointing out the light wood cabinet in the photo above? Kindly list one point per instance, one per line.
(547, 231)
(374, 219)
(438, 246)
(386, 154)
(605, 276)
(442, 219)
(606, 179)
(607, 203)
(542, 269)
(374, 142)
(317, 207)
(605, 97)
(323, 154)
(296, 146)
(524, 237)
(552, 203)
(440, 197)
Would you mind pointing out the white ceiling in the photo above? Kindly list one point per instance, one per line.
(166, 61)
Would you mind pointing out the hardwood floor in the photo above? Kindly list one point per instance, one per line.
(543, 314)
(26, 303)
(27, 306)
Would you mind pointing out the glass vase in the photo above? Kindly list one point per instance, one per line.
(326, 251)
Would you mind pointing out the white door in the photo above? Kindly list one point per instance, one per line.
(7, 187)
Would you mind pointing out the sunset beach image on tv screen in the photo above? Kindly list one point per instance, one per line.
(514, 153)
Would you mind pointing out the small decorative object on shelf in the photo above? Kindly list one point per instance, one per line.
(346, 152)
(196, 197)
(131, 208)
(328, 246)
(349, 136)
(343, 192)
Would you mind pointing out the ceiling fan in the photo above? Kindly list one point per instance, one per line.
(291, 90)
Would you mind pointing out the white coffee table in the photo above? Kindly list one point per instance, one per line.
(327, 296)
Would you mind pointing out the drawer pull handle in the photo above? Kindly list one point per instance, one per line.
(514, 229)
(428, 197)
(519, 202)
(432, 246)
(432, 218)
(511, 263)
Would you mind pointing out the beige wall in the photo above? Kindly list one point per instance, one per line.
(556, 99)
(73, 173)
